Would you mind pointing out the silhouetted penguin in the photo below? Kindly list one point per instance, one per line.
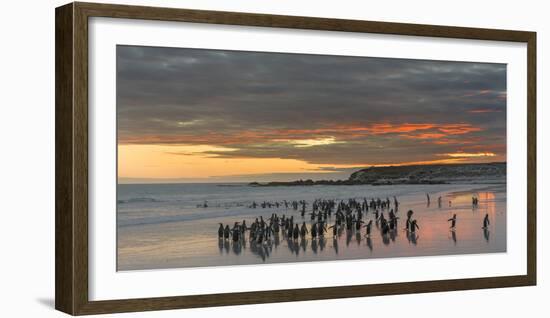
(303, 230)
(236, 231)
(409, 216)
(393, 222)
(369, 228)
(296, 232)
(321, 229)
(226, 232)
(414, 226)
(314, 231)
(385, 226)
(453, 221)
(220, 231)
(486, 221)
(358, 225)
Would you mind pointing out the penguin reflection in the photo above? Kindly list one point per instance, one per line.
(303, 243)
(293, 246)
(412, 237)
(262, 250)
(369, 243)
(322, 243)
(237, 247)
(220, 244)
(276, 240)
(453, 236)
(486, 234)
(385, 239)
(393, 235)
(358, 238)
(348, 237)
(314, 246)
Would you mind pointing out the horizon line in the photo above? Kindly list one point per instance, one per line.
(177, 180)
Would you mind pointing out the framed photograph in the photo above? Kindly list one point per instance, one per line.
(211, 158)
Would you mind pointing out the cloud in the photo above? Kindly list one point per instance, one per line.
(469, 155)
(320, 109)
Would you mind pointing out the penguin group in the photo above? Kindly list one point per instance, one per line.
(343, 215)
(328, 217)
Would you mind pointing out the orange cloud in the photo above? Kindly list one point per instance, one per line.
(468, 154)
(458, 129)
(338, 133)
(480, 111)
(425, 136)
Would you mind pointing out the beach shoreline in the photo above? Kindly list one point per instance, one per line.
(183, 235)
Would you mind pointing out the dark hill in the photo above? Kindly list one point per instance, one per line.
(417, 174)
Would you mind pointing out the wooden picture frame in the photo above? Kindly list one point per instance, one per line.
(71, 268)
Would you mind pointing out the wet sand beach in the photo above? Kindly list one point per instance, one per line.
(174, 230)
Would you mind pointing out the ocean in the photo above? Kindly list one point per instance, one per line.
(176, 225)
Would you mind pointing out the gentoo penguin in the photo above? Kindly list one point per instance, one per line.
(303, 230)
(486, 221)
(226, 232)
(414, 226)
(296, 232)
(453, 222)
(369, 228)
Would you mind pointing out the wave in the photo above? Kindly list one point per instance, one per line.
(137, 200)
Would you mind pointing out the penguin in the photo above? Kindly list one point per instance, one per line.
(321, 229)
(296, 232)
(393, 222)
(414, 226)
(303, 230)
(314, 231)
(358, 225)
(226, 232)
(486, 221)
(236, 232)
(453, 222)
(220, 231)
(369, 228)
(409, 216)
(385, 226)
(289, 231)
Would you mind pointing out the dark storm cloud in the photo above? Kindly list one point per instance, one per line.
(253, 102)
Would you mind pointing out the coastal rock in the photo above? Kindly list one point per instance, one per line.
(414, 174)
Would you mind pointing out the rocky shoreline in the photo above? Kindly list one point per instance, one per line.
(414, 174)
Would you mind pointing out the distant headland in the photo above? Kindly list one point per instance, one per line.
(414, 174)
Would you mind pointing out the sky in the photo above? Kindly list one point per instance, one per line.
(198, 115)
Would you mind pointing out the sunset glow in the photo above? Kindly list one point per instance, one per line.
(198, 115)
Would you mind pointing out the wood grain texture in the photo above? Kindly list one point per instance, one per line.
(64, 235)
(72, 279)
(532, 158)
